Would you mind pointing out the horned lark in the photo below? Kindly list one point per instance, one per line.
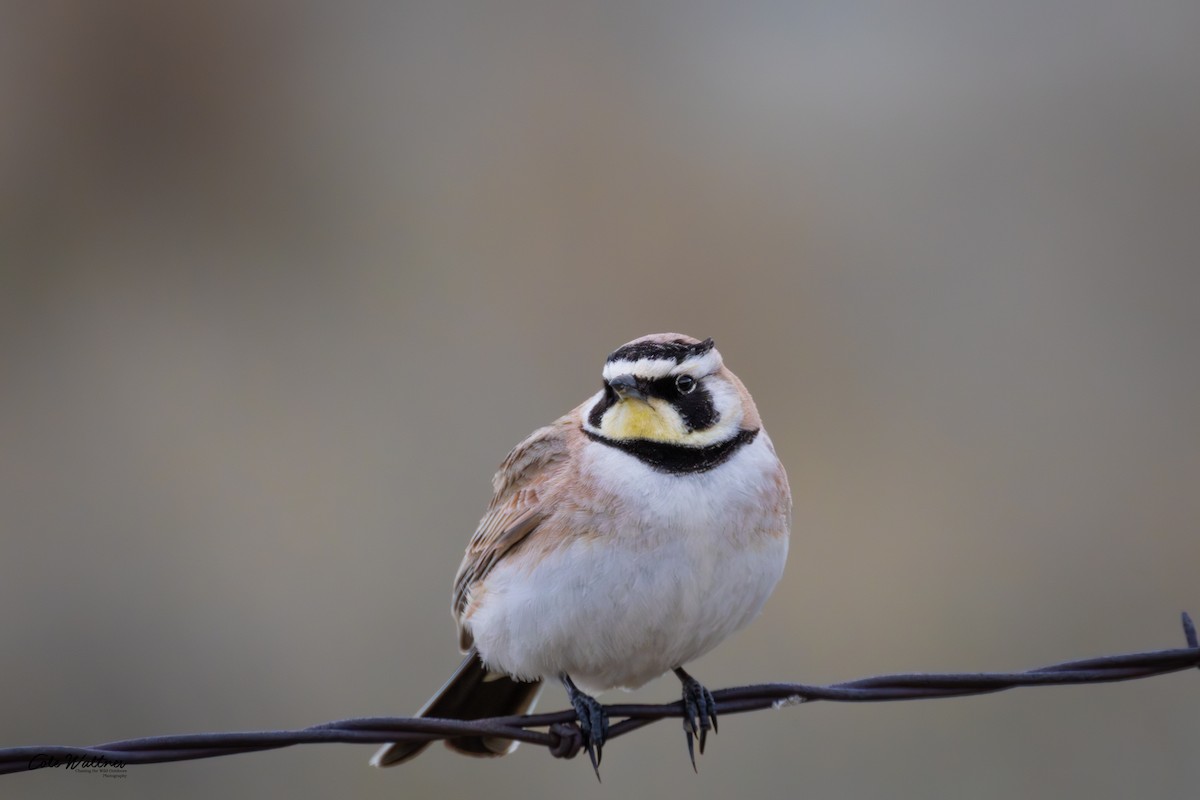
(624, 540)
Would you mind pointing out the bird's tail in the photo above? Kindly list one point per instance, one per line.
(471, 693)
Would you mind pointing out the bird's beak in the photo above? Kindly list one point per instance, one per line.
(627, 386)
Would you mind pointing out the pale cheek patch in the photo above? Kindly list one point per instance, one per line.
(728, 405)
(633, 419)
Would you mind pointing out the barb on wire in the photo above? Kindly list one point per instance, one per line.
(559, 733)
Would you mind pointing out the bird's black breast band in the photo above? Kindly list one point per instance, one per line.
(677, 459)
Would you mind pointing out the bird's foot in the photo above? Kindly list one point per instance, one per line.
(699, 712)
(593, 722)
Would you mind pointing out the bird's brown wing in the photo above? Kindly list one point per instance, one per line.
(516, 510)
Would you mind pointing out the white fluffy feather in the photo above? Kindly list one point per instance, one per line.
(688, 561)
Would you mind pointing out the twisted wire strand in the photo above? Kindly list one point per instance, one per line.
(561, 735)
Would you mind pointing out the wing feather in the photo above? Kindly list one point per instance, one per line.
(516, 510)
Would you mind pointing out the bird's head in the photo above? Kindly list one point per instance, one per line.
(670, 388)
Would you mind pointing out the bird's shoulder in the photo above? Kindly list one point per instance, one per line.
(536, 458)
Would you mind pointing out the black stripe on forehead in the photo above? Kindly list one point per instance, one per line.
(677, 351)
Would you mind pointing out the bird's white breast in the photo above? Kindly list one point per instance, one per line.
(680, 563)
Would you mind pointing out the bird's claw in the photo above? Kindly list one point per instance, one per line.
(699, 713)
(593, 723)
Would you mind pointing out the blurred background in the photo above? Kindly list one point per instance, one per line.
(281, 284)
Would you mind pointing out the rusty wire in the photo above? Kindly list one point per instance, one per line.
(559, 733)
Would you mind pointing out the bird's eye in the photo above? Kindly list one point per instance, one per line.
(686, 384)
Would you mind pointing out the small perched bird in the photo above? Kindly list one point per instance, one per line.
(624, 540)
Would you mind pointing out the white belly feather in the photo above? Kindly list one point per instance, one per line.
(687, 561)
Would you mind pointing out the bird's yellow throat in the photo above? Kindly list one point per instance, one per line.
(639, 419)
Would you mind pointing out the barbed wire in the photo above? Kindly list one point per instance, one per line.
(562, 736)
